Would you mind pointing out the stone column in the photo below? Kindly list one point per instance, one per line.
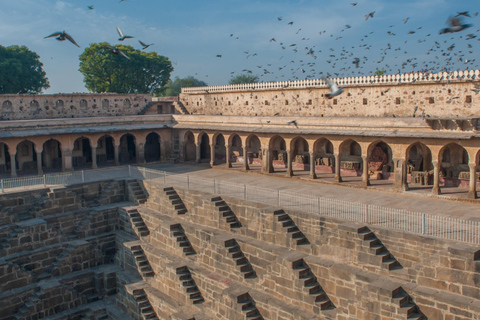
(472, 190)
(365, 176)
(436, 177)
(400, 173)
(140, 153)
(39, 162)
(313, 175)
(197, 153)
(212, 155)
(228, 164)
(94, 157)
(267, 161)
(116, 149)
(13, 164)
(289, 163)
(67, 160)
(245, 158)
(338, 177)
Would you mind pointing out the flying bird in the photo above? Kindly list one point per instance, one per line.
(62, 36)
(455, 25)
(219, 55)
(465, 14)
(122, 36)
(144, 45)
(353, 4)
(116, 50)
(335, 90)
(90, 7)
(370, 15)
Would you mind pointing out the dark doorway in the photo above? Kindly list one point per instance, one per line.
(152, 148)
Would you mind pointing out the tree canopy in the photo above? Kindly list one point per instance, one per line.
(107, 71)
(21, 71)
(244, 78)
(173, 88)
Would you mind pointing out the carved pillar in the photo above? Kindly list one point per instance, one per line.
(365, 176)
(472, 190)
(313, 175)
(436, 177)
(140, 153)
(400, 173)
(289, 163)
(67, 159)
(228, 164)
(116, 156)
(197, 153)
(39, 162)
(245, 158)
(212, 155)
(338, 177)
(94, 157)
(13, 164)
(267, 160)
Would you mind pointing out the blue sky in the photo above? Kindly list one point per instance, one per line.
(192, 33)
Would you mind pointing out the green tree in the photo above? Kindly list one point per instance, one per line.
(141, 72)
(379, 72)
(244, 78)
(21, 71)
(173, 88)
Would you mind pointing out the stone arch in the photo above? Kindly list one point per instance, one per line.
(323, 152)
(127, 149)
(189, 145)
(82, 152)
(300, 153)
(34, 105)
(7, 106)
(204, 141)
(152, 147)
(380, 157)
(59, 105)
(220, 150)
(278, 149)
(453, 159)
(52, 154)
(105, 149)
(5, 159)
(105, 104)
(350, 157)
(26, 157)
(236, 149)
(254, 149)
(419, 168)
(127, 103)
(83, 104)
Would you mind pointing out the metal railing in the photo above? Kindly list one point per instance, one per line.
(390, 218)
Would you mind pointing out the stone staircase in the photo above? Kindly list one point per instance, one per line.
(31, 306)
(146, 309)
(103, 197)
(180, 106)
(6, 242)
(138, 223)
(248, 307)
(235, 252)
(227, 213)
(310, 284)
(175, 200)
(79, 231)
(31, 213)
(136, 192)
(289, 225)
(376, 247)
(407, 306)
(142, 263)
(178, 233)
(53, 269)
(189, 285)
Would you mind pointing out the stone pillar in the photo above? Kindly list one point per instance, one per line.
(365, 176)
(197, 153)
(400, 173)
(140, 153)
(338, 177)
(267, 161)
(212, 155)
(436, 177)
(67, 160)
(472, 190)
(13, 164)
(228, 164)
(116, 149)
(94, 157)
(39, 162)
(289, 163)
(313, 175)
(245, 158)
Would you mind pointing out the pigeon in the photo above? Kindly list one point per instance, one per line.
(293, 122)
(219, 55)
(145, 46)
(370, 15)
(62, 36)
(465, 14)
(335, 90)
(116, 50)
(122, 36)
(90, 7)
(353, 4)
(455, 26)
(356, 61)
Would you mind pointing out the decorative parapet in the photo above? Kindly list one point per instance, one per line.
(414, 77)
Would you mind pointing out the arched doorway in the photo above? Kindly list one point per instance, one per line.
(5, 160)
(254, 150)
(454, 169)
(204, 148)
(419, 165)
(351, 163)
(300, 154)
(380, 161)
(236, 150)
(26, 158)
(279, 152)
(82, 152)
(152, 147)
(127, 149)
(324, 157)
(189, 146)
(220, 151)
(105, 150)
(52, 155)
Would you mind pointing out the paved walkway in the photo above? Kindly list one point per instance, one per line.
(381, 194)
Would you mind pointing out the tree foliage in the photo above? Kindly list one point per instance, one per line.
(379, 72)
(105, 71)
(21, 71)
(173, 88)
(244, 78)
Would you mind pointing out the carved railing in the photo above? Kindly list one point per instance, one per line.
(390, 79)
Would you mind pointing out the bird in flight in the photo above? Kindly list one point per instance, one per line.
(90, 7)
(456, 25)
(122, 36)
(144, 45)
(116, 50)
(335, 90)
(62, 36)
(369, 15)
